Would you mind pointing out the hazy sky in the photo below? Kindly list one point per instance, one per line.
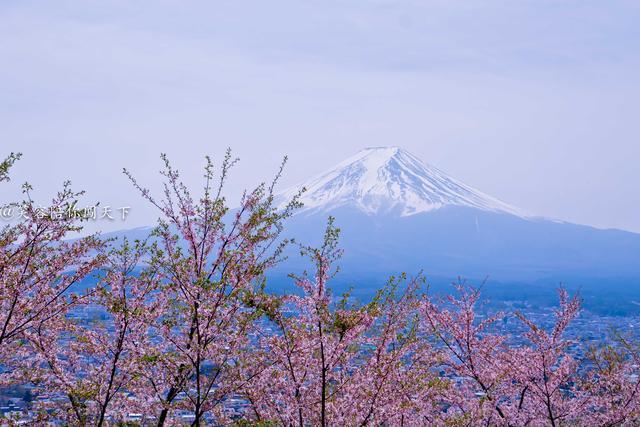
(537, 103)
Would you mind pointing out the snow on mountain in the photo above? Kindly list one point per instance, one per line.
(389, 179)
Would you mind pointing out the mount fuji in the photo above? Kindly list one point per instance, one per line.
(397, 214)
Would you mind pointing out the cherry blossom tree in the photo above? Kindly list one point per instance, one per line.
(333, 362)
(213, 258)
(476, 359)
(546, 372)
(38, 265)
(613, 385)
(91, 365)
(538, 380)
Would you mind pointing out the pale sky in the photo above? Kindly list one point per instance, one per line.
(534, 102)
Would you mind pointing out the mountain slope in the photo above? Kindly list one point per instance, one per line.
(399, 214)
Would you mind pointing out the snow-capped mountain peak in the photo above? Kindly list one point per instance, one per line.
(389, 179)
